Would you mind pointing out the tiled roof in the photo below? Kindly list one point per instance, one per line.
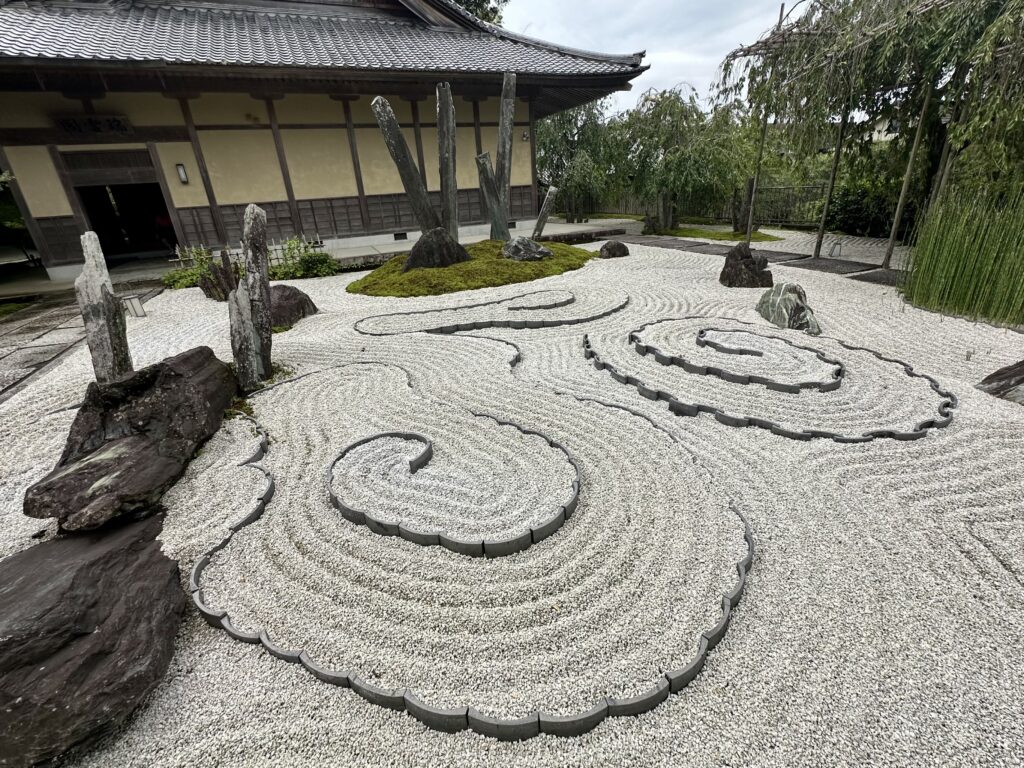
(204, 33)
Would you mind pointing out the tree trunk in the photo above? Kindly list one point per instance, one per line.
(831, 183)
(908, 177)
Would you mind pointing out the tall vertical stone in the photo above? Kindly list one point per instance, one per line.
(446, 139)
(105, 328)
(407, 169)
(244, 341)
(503, 158)
(257, 283)
(545, 212)
(499, 219)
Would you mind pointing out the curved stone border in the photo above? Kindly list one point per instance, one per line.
(553, 305)
(735, 378)
(679, 408)
(480, 325)
(490, 548)
(468, 718)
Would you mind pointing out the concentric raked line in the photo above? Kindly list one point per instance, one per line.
(838, 374)
(466, 717)
(480, 325)
(679, 408)
(490, 548)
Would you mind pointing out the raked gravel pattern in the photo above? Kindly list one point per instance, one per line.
(882, 622)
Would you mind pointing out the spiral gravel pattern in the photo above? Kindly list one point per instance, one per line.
(881, 623)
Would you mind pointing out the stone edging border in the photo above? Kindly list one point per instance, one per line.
(746, 379)
(490, 548)
(679, 408)
(481, 325)
(468, 718)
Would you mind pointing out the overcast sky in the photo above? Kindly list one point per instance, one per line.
(685, 40)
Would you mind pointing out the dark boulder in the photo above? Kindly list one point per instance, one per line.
(288, 305)
(613, 249)
(744, 270)
(87, 628)
(524, 249)
(1007, 383)
(436, 248)
(132, 439)
(786, 306)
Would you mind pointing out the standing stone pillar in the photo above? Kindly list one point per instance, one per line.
(411, 179)
(503, 159)
(545, 212)
(257, 282)
(499, 219)
(244, 341)
(105, 328)
(446, 139)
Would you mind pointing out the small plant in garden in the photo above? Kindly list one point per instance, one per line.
(189, 277)
(299, 259)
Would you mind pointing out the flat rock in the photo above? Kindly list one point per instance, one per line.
(745, 270)
(524, 249)
(1007, 383)
(87, 628)
(288, 305)
(786, 306)
(614, 249)
(132, 439)
(435, 249)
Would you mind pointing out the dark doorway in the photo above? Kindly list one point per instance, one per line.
(131, 221)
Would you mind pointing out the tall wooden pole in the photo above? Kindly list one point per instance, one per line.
(446, 135)
(411, 179)
(832, 182)
(760, 150)
(908, 177)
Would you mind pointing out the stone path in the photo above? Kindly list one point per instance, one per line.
(34, 337)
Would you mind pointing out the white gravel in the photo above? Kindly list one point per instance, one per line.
(883, 621)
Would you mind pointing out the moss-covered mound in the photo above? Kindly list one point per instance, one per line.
(485, 269)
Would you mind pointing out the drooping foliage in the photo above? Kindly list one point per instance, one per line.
(487, 10)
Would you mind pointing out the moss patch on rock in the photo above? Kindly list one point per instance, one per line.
(485, 269)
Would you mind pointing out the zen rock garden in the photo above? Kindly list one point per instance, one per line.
(645, 508)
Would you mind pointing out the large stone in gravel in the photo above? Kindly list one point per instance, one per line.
(786, 306)
(132, 439)
(1007, 383)
(744, 270)
(87, 628)
(435, 249)
(524, 249)
(288, 305)
(613, 249)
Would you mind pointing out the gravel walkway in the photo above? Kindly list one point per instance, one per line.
(883, 618)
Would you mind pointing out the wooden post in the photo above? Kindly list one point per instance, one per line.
(503, 158)
(411, 179)
(908, 177)
(545, 212)
(446, 141)
(831, 183)
(499, 220)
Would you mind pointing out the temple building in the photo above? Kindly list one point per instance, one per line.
(155, 122)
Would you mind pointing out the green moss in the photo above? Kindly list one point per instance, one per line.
(11, 308)
(281, 328)
(485, 269)
(239, 407)
(714, 234)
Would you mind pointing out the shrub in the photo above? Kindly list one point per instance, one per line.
(300, 260)
(189, 277)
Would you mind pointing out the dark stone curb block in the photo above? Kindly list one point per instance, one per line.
(679, 408)
(451, 721)
(553, 305)
(490, 548)
(481, 325)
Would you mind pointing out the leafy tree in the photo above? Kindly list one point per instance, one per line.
(488, 10)
(573, 155)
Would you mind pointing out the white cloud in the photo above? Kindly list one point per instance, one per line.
(685, 40)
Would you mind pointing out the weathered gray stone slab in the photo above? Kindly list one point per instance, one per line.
(545, 212)
(446, 140)
(105, 329)
(497, 214)
(503, 158)
(244, 342)
(257, 283)
(407, 169)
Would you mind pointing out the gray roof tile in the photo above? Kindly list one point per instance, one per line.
(185, 33)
